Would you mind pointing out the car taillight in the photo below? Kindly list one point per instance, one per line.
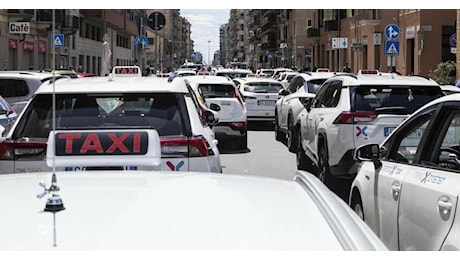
(195, 146)
(354, 117)
(10, 150)
(237, 125)
(238, 96)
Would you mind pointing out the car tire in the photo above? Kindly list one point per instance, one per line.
(302, 161)
(324, 173)
(357, 206)
(279, 136)
(292, 135)
(242, 143)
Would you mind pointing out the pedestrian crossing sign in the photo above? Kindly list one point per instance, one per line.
(391, 48)
(58, 40)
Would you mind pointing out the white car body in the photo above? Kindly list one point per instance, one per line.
(156, 210)
(351, 110)
(30, 157)
(407, 187)
(233, 73)
(288, 107)
(260, 96)
(232, 112)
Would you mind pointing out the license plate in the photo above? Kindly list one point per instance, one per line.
(417, 134)
(266, 102)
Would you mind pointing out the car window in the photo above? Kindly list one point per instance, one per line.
(314, 84)
(262, 87)
(330, 96)
(449, 153)
(13, 88)
(80, 111)
(380, 98)
(217, 90)
(403, 146)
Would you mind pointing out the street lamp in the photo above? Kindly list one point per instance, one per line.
(209, 53)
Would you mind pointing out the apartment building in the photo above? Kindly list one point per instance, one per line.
(308, 38)
(26, 38)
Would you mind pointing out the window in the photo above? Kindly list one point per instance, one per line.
(13, 88)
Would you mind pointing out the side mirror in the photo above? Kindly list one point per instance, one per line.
(283, 92)
(307, 102)
(368, 152)
(211, 118)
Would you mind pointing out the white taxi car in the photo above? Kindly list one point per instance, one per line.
(354, 109)
(124, 99)
(145, 210)
(288, 107)
(260, 96)
(407, 188)
(222, 96)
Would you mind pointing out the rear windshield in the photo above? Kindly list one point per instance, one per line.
(232, 75)
(385, 98)
(262, 87)
(217, 90)
(80, 111)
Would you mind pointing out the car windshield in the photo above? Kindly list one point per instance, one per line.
(383, 99)
(232, 75)
(81, 111)
(262, 87)
(217, 90)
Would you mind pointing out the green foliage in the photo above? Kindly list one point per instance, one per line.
(445, 73)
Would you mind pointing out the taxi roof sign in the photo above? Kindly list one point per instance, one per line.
(126, 71)
(102, 147)
(368, 72)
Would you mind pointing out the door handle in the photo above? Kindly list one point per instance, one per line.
(444, 207)
(395, 190)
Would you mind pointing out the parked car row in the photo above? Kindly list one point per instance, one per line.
(396, 139)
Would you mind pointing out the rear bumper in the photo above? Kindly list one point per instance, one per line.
(346, 167)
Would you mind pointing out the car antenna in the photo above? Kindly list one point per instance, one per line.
(54, 203)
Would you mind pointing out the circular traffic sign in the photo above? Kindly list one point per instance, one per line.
(392, 31)
(453, 40)
(141, 41)
(156, 21)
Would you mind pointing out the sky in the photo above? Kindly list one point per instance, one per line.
(205, 25)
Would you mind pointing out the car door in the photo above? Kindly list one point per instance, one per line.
(397, 163)
(293, 86)
(322, 115)
(429, 197)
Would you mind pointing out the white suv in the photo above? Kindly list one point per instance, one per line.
(303, 86)
(222, 96)
(351, 110)
(124, 100)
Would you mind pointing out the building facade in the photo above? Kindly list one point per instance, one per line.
(309, 38)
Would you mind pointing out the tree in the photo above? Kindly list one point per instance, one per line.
(445, 73)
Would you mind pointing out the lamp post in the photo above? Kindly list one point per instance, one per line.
(209, 53)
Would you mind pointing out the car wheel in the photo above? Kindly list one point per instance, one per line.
(242, 143)
(303, 162)
(357, 206)
(324, 173)
(279, 136)
(292, 135)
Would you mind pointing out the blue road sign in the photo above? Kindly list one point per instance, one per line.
(192, 54)
(453, 40)
(141, 41)
(391, 48)
(57, 40)
(391, 31)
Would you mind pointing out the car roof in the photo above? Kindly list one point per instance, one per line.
(350, 79)
(258, 79)
(316, 75)
(159, 210)
(28, 74)
(210, 79)
(108, 85)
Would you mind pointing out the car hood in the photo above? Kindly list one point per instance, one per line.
(139, 210)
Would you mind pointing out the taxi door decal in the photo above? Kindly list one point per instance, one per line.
(175, 168)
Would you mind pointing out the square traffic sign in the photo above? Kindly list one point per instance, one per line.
(391, 48)
(57, 40)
